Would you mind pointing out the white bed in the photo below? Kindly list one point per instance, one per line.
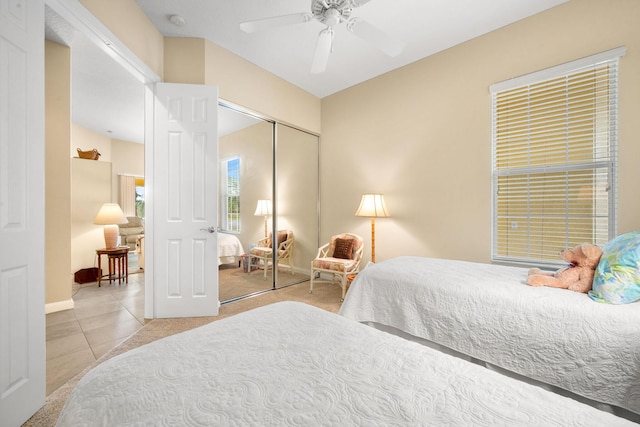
(229, 249)
(293, 364)
(487, 312)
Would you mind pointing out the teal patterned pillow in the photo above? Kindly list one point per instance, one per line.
(617, 278)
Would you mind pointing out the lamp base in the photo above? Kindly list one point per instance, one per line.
(373, 240)
(111, 236)
(265, 226)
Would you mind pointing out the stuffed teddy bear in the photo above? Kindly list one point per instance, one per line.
(578, 276)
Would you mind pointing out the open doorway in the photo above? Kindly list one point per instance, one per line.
(107, 113)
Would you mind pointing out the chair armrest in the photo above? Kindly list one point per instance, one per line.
(285, 245)
(285, 249)
(263, 242)
(323, 250)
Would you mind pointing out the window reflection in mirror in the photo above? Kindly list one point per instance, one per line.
(245, 147)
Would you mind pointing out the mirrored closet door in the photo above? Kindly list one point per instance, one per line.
(245, 153)
(296, 201)
(268, 181)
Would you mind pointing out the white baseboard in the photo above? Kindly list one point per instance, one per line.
(301, 270)
(58, 306)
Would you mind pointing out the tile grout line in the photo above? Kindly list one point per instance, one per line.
(85, 291)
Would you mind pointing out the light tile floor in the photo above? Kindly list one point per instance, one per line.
(102, 318)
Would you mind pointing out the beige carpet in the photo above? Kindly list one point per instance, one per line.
(234, 282)
(324, 296)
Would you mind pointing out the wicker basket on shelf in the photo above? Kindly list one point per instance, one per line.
(91, 154)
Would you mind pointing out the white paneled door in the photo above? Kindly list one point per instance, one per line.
(184, 198)
(22, 323)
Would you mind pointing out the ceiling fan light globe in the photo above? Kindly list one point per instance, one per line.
(332, 17)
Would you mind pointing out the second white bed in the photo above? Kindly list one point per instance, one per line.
(487, 312)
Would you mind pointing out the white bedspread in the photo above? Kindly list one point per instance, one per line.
(290, 364)
(556, 336)
(229, 248)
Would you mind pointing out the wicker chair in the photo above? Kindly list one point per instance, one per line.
(339, 258)
(262, 253)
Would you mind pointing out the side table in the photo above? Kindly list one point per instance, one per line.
(118, 259)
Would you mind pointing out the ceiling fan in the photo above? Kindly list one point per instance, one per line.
(330, 13)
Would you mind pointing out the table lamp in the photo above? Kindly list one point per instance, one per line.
(110, 215)
(263, 209)
(372, 205)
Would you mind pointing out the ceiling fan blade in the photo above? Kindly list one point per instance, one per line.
(273, 22)
(375, 37)
(323, 49)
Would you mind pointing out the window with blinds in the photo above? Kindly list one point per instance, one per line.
(230, 195)
(554, 160)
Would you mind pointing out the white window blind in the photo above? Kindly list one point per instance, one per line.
(230, 195)
(555, 159)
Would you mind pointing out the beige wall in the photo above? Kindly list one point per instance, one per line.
(184, 60)
(127, 158)
(57, 175)
(198, 61)
(90, 188)
(132, 27)
(248, 85)
(422, 134)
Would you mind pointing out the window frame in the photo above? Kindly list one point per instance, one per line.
(225, 196)
(609, 58)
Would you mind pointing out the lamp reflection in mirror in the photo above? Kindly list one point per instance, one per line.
(110, 215)
(263, 209)
(372, 205)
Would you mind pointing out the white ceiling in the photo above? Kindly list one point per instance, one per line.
(425, 26)
(108, 100)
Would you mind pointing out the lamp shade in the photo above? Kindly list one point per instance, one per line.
(110, 213)
(372, 205)
(263, 208)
